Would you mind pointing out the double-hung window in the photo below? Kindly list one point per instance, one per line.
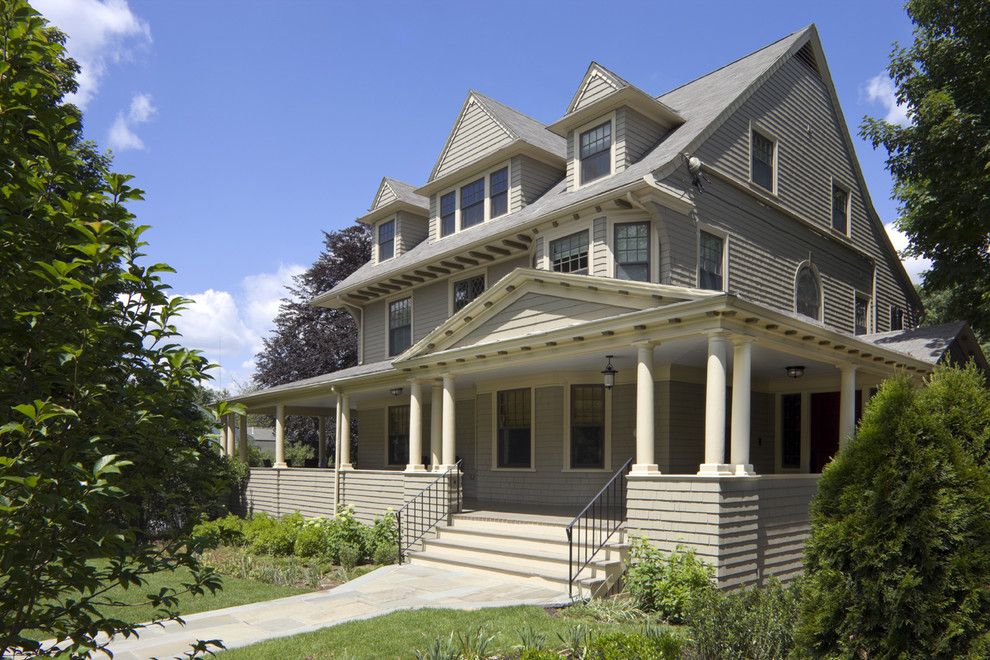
(808, 293)
(448, 212)
(570, 254)
(840, 209)
(862, 314)
(632, 251)
(595, 151)
(473, 203)
(398, 435)
(763, 154)
(514, 428)
(896, 318)
(386, 240)
(498, 192)
(711, 250)
(467, 290)
(587, 427)
(399, 326)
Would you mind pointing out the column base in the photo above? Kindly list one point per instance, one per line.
(645, 468)
(743, 470)
(280, 466)
(716, 470)
(346, 466)
(415, 468)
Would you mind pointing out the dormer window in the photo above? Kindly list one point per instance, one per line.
(473, 203)
(595, 152)
(498, 187)
(448, 211)
(386, 240)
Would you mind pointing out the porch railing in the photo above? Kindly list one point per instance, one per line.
(591, 529)
(428, 508)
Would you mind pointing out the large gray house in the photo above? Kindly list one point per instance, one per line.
(687, 298)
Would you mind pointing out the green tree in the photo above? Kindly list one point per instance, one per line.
(105, 451)
(898, 563)
(941, 160)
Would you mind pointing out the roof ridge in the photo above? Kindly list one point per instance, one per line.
(489, 99)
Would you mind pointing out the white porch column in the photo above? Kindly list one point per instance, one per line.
(448, 439)
(321, 445)
(280, 436)
(231, 450)
(242, 447)
(645, 436)
(715, 408)
(742, 361)
(415, 427)
(847, 403)
(344, 401)
(436, 425)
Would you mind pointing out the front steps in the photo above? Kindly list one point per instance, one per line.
(522, 548)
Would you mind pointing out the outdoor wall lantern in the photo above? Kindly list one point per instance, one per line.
(396, 391)
(609, 373)
(795, 372)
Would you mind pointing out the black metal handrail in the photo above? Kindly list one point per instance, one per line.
(428, 508)
(596, 524)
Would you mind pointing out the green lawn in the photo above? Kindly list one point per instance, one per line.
(398, 635)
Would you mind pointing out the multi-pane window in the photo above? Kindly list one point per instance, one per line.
(840, 209)
(386, 240)
(710, 253)
(587, 426)
(808, 294)
(570, 254)
(448, 210)
(473, 203)
(513, 428)
(896, 318)
(862, 314)
(632, 251)
(399, 325)
(595, 147)
(498, 192)
(398, 435)
(790, 430)
(763, 155)
(467, 290)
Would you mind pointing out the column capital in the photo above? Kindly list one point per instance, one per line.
(719, 334)
(742, 340)
(645, 343)
(847, 367)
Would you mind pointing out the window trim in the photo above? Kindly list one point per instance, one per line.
(486, 202)
(532, 430)
(652, 247)
(755, 127)
(857, 295)
(566, 466)
(386, 462)
(439, 218)
(576, 147)
(460, 277)
(412, 322)
(488, 192)
(821, 289)
(835, 183)
(395, 238)
(725, 236)
(890, 317)
(804, 460)
(566, 233)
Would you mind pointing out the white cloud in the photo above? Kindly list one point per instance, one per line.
(880, 89)
(229, 327)
(122, 135)
(100, 33)
(914, 266)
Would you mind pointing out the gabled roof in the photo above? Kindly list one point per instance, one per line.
(596, 73)
(394, 195)
(934, 343)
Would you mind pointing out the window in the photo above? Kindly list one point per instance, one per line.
(862, 314)
(632, 251)
(473, 203)
(808, 293)
(896, 318)
(467, 290)
(710, 252)
(570, 254)
(398, 435)
(790, 430)
(587, 427)
(399, 325)
(840, 209)
(595, 147)
(498, 191)
(513, 428)
(386, 240)
(448, 207)
(762, 169)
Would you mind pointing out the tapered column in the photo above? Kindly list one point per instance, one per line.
(715, 407)
(344, 401)
(321, 447)
(242, 446)
(741, 397)
(448, 423)
(415, 427)
(847, 403)
(436, 425)
(280, 436)
(645, 435)
(336, 433)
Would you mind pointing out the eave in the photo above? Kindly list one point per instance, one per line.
(630, 96)
(517, 147)
(391, 209)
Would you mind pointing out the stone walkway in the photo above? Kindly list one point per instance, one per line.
(385, 590)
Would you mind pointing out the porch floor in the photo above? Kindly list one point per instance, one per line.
(531, 514)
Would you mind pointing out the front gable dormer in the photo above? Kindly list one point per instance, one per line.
(398, 218)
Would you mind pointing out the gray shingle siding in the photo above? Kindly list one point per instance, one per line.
(430, 307)
(411, 230)
(375, 333)
(475, 136)
(635, 136)
(599, 247)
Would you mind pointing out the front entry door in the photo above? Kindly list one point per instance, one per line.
(825, 427)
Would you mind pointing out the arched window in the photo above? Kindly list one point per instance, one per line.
(808, 292)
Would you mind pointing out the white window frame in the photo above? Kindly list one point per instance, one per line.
(890, 316)
(625, 218)
(821, 289)
(385, 461)
(465, 275)
(725, 236)
(395, 238)
(412, 321)
(566, 467)
(532, 430)
(835, 183)
(576, 147)
(804, 455)
(562, 231)
(758, 128)
(456, 189)
(870, 322)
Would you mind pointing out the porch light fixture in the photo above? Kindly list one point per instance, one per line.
(395, 391)
(795, 372)
(609, 373)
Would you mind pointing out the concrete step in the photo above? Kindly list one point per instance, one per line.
(520, 545)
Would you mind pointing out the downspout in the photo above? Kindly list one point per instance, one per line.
(336, 458)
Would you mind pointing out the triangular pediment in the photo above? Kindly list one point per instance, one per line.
(476, 133)
(598, 82)
(385, 195)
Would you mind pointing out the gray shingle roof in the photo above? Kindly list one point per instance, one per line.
(322, 379)
(927, 343)
(406, 192)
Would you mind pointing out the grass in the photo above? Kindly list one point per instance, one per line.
(400, 634)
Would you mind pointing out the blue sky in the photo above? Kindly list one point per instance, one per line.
(254, 125)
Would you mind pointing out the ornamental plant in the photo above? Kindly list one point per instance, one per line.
(666, 582)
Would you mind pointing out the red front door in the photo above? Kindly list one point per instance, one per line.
(825, 427)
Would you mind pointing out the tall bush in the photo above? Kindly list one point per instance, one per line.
(899, 557)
